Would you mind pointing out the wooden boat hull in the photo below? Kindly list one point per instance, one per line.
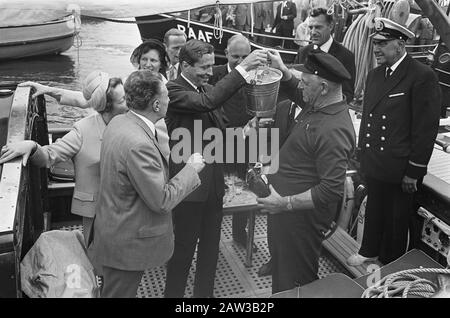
(155, 26)
(38, 39)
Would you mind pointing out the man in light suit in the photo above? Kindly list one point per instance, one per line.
(174, 39)
(133, 227)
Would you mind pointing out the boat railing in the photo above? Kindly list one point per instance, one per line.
(12, 173)
(13, 190)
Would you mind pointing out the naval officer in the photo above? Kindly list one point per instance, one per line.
(399, 125)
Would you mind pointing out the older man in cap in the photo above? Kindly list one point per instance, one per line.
(398, 128)
(309, 183)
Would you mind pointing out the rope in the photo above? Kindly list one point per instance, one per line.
(130, 22)
(405, 283)
(218, 30)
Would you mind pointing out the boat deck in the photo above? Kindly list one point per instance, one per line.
(233, 278)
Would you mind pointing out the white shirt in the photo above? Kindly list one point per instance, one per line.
(297, 109)
(396, 64)
(283, 5)
(238, 68)
(229, 68)
(326, 46)
(190, 83)
(146, 121)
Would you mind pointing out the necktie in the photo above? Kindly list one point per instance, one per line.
(172, 73)
(388, 72)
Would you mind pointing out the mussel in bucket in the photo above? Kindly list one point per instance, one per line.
(262, 91)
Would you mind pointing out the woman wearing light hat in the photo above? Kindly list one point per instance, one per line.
(82, 144)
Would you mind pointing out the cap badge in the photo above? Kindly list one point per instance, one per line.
(379, 25)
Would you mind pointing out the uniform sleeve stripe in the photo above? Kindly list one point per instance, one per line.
(417, 165)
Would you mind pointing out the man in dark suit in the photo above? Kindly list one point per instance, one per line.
(321, 25)
(235, 110)
(133, 226)
(308, 184)
(284, 21)
(398, 128)
(195, 107)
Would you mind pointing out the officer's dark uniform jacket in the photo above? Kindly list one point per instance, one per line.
(400, 121)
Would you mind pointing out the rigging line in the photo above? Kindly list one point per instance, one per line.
(129, 22)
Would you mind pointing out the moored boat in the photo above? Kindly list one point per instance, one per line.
(50, 37)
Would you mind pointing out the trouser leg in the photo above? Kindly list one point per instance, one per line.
(399, 208)
(296, 252)
(119, 283)
(374, 219)
(208, 246)
(187, 224)
(87, 228)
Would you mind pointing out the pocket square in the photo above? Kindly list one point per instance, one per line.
(395, 95)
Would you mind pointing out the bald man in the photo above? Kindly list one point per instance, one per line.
(235, 110)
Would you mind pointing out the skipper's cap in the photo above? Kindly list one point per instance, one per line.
(386, 29)
(324, 65)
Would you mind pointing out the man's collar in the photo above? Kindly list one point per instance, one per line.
(332, 108)
(229, 68)
(189, 82)
(327, 45)
(146, 121)
(396, 64)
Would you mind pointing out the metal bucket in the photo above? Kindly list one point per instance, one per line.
(262, 91)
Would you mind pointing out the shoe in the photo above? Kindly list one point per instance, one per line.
(242, 243)
(265, 269)
(356, 260)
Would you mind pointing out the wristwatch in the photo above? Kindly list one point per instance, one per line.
(289, 204)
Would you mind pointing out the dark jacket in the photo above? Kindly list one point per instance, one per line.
(235, 108)
(187, 105)
(345, 56)
(281, 120)
(400, 121)
(285, 27)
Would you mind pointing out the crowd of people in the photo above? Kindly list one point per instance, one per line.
(142, 209)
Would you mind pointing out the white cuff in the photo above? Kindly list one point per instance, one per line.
(243, 72)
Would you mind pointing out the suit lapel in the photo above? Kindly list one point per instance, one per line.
(382, 86)
(215, 116)
(147, 130)
(333, 48)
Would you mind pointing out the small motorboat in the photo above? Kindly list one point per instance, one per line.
(43, 38)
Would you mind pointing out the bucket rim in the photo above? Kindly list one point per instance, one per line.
(268, 83)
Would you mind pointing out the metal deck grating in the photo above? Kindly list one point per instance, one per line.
(233, 278)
